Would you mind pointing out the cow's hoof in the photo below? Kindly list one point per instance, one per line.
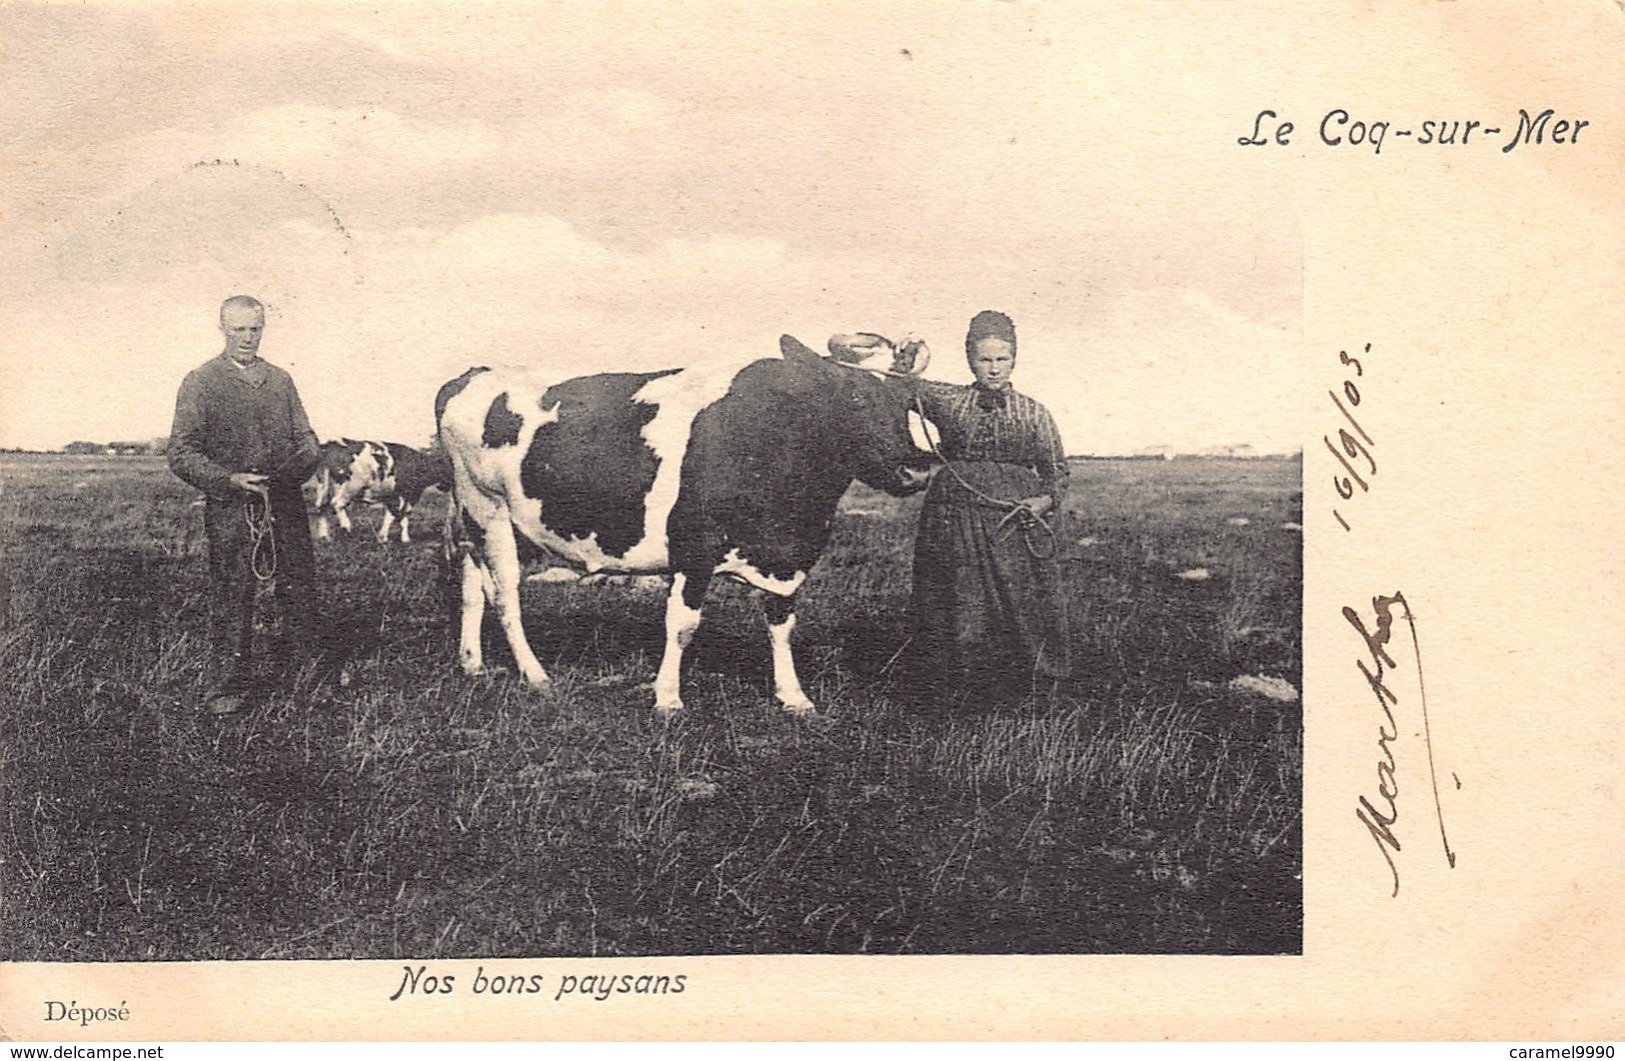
(799, 705)
(540, 681)
(669, 709)
(473, 668)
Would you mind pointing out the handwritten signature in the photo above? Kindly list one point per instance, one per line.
(1381, 817)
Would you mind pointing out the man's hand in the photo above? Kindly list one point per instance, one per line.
(1039, 505)
(250, 483)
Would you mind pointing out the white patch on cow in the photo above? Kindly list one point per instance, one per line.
(924, 433)
(680, 397)
(786, 686)
(364, 473)
(681, 622)
(736, 566)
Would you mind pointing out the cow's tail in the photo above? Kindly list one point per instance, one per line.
(454, 543)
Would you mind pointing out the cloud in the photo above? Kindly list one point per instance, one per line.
(411, 196)
(372, 323)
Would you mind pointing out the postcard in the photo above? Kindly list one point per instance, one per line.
(932, 520)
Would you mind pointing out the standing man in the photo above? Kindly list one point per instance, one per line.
(241, 436)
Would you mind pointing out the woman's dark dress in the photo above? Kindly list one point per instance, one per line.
(989, 616)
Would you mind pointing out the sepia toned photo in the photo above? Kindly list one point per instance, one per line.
(696, 493)
(937, 520)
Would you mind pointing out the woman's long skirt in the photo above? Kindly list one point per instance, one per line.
(988, 616)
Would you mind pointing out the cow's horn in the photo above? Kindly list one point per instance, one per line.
(915, 354)
(854, 347)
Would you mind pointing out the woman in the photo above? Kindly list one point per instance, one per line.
(988, 611)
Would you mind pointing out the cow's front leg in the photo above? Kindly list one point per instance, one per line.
(322, 532)
(341, 511)
(389, 522)
(683, 605)
(406, 516)
(502, 554)
(781, 623)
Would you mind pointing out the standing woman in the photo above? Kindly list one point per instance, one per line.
(989, 614)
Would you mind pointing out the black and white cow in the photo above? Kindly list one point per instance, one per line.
(347, 470)
(413, 472)
(383, 473)
(728, 468)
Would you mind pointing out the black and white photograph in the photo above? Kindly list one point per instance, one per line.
(560, 481)
(948, 519)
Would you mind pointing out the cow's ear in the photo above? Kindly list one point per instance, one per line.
(794, 349)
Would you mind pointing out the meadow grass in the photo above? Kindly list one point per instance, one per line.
(418, 813)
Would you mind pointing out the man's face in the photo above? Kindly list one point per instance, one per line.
(242, 326)
(991, 362)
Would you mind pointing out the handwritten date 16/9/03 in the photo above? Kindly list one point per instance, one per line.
(1353, 451)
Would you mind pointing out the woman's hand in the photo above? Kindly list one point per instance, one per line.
(1038, 505)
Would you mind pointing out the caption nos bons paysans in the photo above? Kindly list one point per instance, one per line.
(420, 982)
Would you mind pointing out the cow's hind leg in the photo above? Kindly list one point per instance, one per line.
(781, 623)
(406, 516)
(683, 605)
(388, 523)
(502, 554)
(477, 588)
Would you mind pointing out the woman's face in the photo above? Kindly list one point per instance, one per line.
(991, 362)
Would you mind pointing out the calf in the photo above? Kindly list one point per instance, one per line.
(412, 472)
(347, 470)
(379, 473)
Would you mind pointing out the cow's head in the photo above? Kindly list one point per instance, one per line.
(874, 386)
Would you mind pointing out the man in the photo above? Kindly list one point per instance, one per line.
(241, 436)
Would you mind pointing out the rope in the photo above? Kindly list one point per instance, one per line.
(1017, 515)
(262, 547)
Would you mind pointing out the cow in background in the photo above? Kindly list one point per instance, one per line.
(347, 468)
(381, 473)
(413, 472)
(732, 468)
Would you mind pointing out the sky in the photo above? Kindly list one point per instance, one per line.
(412, 190)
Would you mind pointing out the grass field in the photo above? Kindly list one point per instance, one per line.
(416, 812)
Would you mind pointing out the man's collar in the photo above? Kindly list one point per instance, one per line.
(252, 373)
